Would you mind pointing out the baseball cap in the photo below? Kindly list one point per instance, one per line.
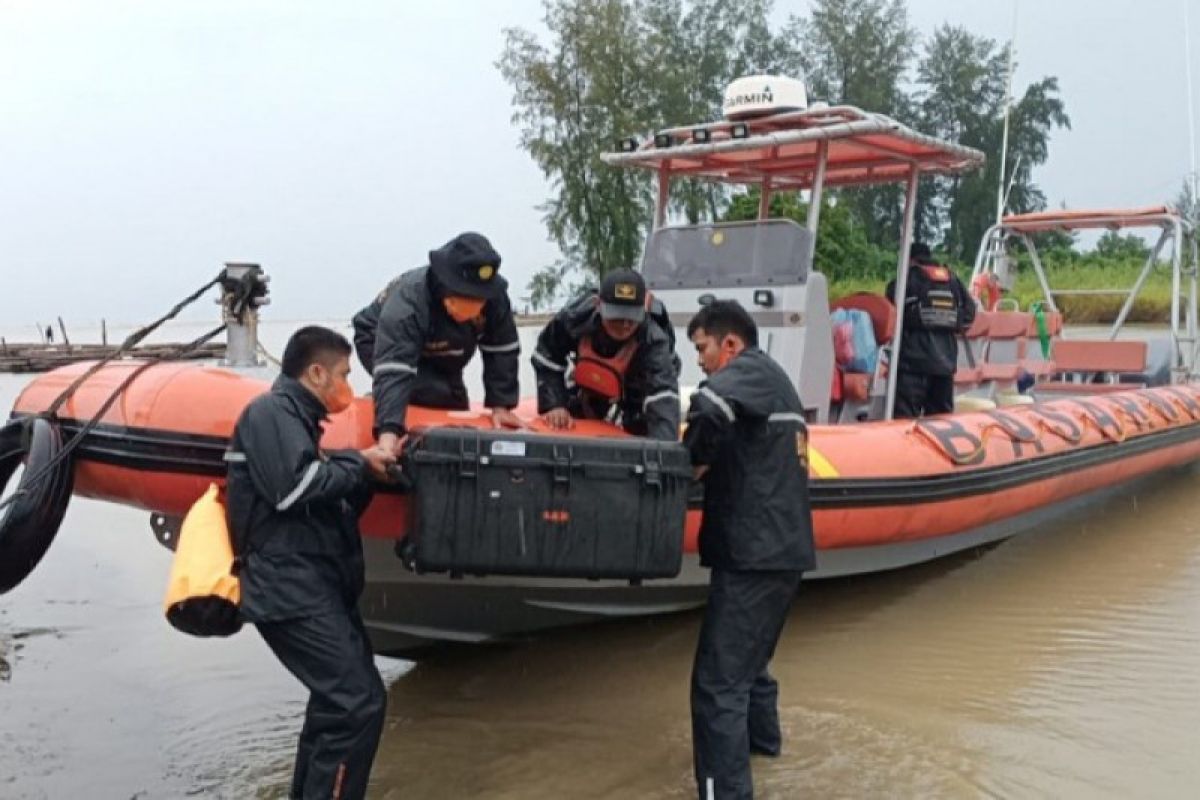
(623, 296)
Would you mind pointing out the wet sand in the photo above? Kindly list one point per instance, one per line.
(1062, 663)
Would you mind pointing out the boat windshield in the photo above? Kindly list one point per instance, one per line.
(724, 255)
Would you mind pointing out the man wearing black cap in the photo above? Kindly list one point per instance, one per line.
(618, 348)
(421, 331)
(937, 309)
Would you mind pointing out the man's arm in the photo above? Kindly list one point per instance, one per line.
(550, 362)
(285, 466)
(966, 305)
(709, 421)
(399, 339)
(501, 352)
(365, 323)
(661, 404)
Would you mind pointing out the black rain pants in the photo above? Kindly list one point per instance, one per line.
(734, 698)
(331, 655)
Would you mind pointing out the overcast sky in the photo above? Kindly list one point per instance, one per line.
(144, 143)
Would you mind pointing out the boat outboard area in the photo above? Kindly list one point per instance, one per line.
(1045, 420)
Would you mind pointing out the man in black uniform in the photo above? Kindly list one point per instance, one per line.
(748, 440)
(293, 515)
(421, 331)
(937, 309)
(622, 347)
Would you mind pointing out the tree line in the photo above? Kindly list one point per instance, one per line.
(614, 68)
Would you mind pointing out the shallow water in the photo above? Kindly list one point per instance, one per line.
(1062, 663)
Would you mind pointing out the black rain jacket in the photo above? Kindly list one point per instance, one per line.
(746, 425)
(926, 351)
(416, 352)
(651, 403)
(293, 509)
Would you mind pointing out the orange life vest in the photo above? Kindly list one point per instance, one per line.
(603, 376)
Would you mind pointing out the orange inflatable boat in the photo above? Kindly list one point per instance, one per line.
(1100, 413)
(873, 485)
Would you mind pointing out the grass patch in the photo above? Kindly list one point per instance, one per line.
(1153, 303)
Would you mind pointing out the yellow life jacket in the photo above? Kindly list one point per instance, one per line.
(203, 593)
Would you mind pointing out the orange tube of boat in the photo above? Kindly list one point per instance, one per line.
(872, 483)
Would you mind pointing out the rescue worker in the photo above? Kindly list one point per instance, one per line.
(622, 348)
(937, 310)
(748, 443)
(421, 331)
(293, 517)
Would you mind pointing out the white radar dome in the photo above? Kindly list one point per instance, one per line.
(757, 95)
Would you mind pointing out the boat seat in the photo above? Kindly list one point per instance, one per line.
(1093, 367)
(1001, 373)
(1007, 326)
(1031, 360)
(1075, 387)
(1077, 355)
(1031, 357)
(1005, 345)
(1054, 324)
(971, 351)
(968, 376)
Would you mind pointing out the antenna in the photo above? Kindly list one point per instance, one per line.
(1001, 195)
(1187, 54)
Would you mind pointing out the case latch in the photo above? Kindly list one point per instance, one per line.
(652, 467)
(561, 456)
(468, 456)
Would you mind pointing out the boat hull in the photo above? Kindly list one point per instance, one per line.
(884, 495)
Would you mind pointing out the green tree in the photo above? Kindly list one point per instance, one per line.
(1186, 203)
(698, 48)
(573, 101)
(843, 251)
(859, 52)
(615, 68)
(961, 97)
(961, 86)
(1112, 246)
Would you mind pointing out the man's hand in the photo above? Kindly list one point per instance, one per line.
(559, 419)
(505, 418)
(378, 460)
(391, 442)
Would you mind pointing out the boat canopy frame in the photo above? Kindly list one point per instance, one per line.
(1174, 229)
(822, 146)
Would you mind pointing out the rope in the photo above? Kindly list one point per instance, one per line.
(130, 342)
(262, 351)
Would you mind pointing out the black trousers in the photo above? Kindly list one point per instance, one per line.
(734, 698)
(919, 395)
(330, 654)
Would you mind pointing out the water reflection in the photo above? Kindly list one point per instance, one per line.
(1058, 664)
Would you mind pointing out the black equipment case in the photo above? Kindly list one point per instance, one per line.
(509, 503)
